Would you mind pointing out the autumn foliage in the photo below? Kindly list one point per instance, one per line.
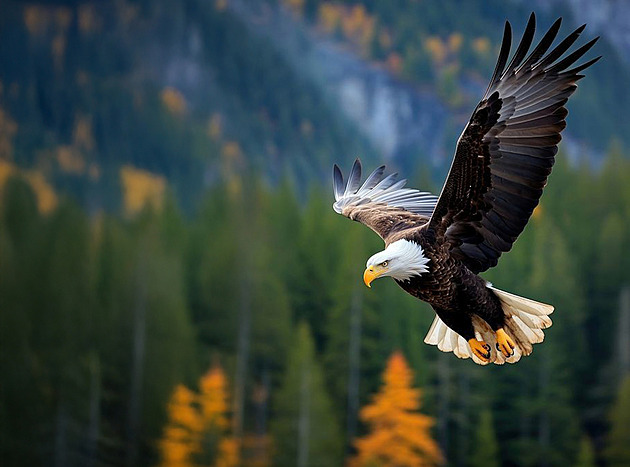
(399, 435)
(198, 425)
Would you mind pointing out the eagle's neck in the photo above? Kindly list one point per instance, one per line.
(410, 260)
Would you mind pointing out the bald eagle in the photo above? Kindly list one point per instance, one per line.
(436, 246)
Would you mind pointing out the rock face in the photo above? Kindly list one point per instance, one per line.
(399, 120)
(402, 122)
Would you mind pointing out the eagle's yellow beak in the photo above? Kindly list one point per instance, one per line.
(371, 273)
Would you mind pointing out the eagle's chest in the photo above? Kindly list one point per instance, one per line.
(439, 286)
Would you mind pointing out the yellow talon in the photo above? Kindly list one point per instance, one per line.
(504, 343)
(480, 348)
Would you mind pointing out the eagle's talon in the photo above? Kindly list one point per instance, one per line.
(505, 344)
(481, 349)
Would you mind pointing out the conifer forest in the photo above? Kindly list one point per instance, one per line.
(177, 291)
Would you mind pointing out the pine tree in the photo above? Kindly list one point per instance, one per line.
(305, 430)
(486, 452)
(398, 434)
(618, 450)
(586, 456)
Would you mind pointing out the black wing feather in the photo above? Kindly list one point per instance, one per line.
(508, 148)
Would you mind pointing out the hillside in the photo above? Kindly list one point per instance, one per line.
(194, 91)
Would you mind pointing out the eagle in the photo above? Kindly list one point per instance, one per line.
(435, 246)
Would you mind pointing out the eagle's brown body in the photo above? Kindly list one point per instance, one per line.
(503, 158)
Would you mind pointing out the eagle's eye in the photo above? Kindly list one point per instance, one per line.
(384, 263)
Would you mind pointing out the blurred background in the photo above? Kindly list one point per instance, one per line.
(176, 290)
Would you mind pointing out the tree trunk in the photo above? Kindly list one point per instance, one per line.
(137, 365)
(242, 351)
(95, 409)
(305, 416)
(444, 391)
(463, 429)
(544, 429)
(61, 436)
(623, 332)
(354, 366)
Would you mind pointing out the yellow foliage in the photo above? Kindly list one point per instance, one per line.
(399, 435)
(181, 438)
(329, 16)
(455, 41)
(220, 5)
(173, 100)
(70, 160)
(481, 45)
(6, 170)
(436, 49)
(191, 414)
(358, 26)
(228, 455)
(46, 196)
(214, 397)
(141, 188)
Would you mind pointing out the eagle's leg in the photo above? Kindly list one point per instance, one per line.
(504, 343)
(495, 317)
(462, 324)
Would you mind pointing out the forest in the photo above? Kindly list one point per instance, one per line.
(105, 316)
(176, 290)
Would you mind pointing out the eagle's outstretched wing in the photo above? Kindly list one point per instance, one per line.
(381, 203)
(506, 152)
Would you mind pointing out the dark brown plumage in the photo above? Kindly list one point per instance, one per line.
(501, 164)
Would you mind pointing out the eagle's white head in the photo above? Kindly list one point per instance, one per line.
(401, 260)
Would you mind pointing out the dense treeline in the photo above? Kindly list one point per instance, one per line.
(88, 86)
(103, 316)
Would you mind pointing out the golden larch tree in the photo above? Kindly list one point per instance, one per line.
(181, 436)
(399, 435)
(196, 433)
(214, 406)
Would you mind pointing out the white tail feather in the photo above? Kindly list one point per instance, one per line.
(524, 321)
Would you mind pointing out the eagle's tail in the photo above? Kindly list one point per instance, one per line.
(524, 321)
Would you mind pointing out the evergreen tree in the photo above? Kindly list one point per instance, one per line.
(586, 456)
(617, 452)
(486, 447)
(304, 427)
(399, 435)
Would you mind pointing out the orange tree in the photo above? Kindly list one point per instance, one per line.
(197, 429)
(398, 434)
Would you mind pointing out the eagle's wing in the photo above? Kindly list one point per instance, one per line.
(506, 152)
(381, 203)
